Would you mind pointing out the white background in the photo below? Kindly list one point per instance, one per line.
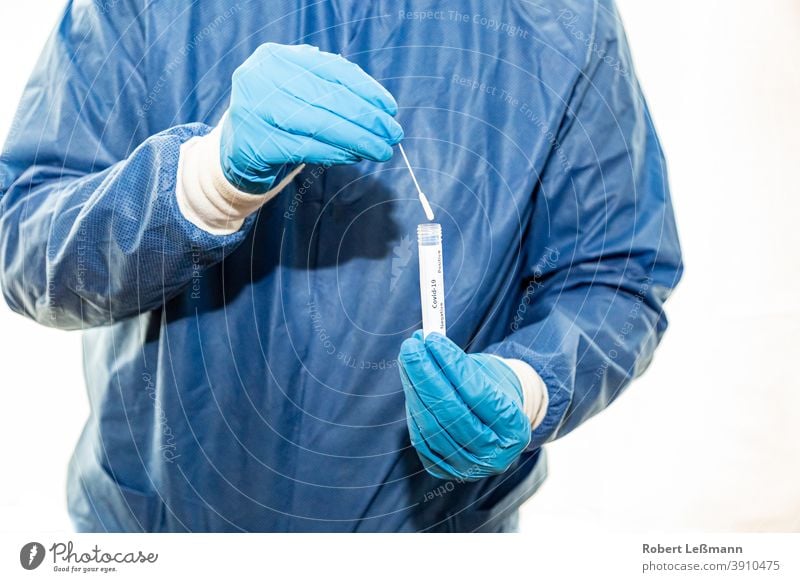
(709, 439)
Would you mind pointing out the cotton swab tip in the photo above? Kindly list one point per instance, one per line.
(426, 206)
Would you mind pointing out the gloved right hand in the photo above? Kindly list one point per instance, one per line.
(465, 412)
(294, 103)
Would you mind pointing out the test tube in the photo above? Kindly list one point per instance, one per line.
(431, 278)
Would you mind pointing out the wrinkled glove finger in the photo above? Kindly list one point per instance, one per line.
(311, 91)
(336, 69)
(424, 428)
(275, 148)
(434, 393)
(494, 408)
(287, 114)
(431, 461)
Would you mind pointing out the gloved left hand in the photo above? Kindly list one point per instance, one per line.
(464, 411)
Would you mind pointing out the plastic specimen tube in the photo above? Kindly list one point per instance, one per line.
(431, 278)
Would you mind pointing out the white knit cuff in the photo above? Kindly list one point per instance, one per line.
(205, 197)
(534, 391)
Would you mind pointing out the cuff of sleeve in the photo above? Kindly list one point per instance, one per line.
(557, 371)
(534, 392)
(204, 195)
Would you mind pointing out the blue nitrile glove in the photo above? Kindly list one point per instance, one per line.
(464, 411)
(294, 103)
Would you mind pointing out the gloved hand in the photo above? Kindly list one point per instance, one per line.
(464, 411)
(294, 103)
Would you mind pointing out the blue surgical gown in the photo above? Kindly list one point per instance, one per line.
(249, 382)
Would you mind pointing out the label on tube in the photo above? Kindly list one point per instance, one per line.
(431, 287)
